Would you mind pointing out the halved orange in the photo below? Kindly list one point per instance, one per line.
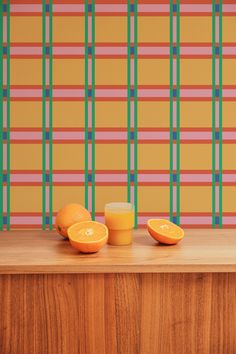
(88, 236)
(165, 231)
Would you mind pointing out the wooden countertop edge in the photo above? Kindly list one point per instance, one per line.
(197, 268)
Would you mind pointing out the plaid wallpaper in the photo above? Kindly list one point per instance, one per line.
(113, 100)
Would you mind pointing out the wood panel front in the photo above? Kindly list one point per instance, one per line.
(192, 313)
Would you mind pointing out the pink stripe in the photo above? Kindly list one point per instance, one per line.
(229, 135)
(111, 93)
(195, 50)
(4, 28)
(193, 220)
(132, 29)
(153, 135)
(229, 93)
(195, 93)
(229, 50)
(68, 8)
(90, 114)
(68, 93)
(68, 136)
(4, 114)
(174, 198)
(195, 178)
(153, 50)
(111, 8)
(111, 135)
(217, 29)
(142, 220)
(26, 50)
(174, 29)
(195, 8)
(89, 156)
(174, 114)
(4, 71)
(174, 156)
(153, 93)
(4, 199)
(15, 177)
(217, 198)
(100, 219)
(68, 177)
(26, 8)
(26, 136)
(229, 177)
(174, 72)
(217, 70)
(195, 135)
(111, 50)
(217, 156)
(90, 72)
(153, 8)
(90, 198)
(26, 93)
(26, 220)
(47, 198)
(229, 7)
(68, 50)
(110, 177)
(156, 178)
(229, 220)
(217, 114)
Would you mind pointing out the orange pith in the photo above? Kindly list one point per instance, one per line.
(88, 236)
(165, 231)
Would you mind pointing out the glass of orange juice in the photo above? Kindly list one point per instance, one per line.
(119, 218)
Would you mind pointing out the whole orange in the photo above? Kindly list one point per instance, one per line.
(69, 215)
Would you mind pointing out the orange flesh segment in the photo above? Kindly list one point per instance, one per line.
(90, 231)
(166, 228)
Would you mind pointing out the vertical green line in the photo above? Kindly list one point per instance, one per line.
(50, 117)
(128, 101)
(178, 114)
(1, 117)
(44, 115)
(93, 109)
(213, 112)
(220, 114)
(136, 111)
(86, 105)
(8, 116)
(171, 110)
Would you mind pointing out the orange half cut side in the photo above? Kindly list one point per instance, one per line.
(165, 231)
(88, 236)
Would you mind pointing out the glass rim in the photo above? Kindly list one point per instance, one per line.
(119, 206)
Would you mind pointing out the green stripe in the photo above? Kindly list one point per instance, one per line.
(220, 114)
(8, 116)
(50, 119)
(213, 113)
(86, 107)
(44, 115)
(136, 111)
(128, 101)
(178, 115)
(171, 110)
(1, 118)
(93, 109)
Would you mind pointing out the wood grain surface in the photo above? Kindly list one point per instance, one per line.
(46, 252)
(192, 313)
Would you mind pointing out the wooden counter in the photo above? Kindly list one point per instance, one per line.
(145, 298)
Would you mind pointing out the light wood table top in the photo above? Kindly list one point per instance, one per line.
(37, 252)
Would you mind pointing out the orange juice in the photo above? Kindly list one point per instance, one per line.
(119, 218)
